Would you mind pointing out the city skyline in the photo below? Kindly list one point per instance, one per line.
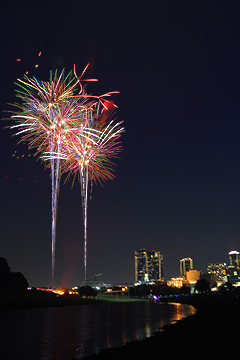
(142, 258)
(177, 185)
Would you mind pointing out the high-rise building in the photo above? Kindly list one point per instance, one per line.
(186, 264)
(155, 266)
(148, 266)
(234, 258)
(218, 272)
(141, 266)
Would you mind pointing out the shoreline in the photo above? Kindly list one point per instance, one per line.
(44, 300)
(205, 334)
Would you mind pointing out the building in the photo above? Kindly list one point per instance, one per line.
(192, 276)
(234, 280)
(186, 264)
(218, 272)
(148, 266)
(234, 259)
(141, 266)
(155, 266)
(176, 282)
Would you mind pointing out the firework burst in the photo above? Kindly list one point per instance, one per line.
(73, 133)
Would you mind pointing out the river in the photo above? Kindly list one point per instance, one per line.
(62, 333)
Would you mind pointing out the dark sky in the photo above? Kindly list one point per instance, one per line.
(177, 187)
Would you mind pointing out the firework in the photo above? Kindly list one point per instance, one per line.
(89, 152)
(48, 110)
(72, 131)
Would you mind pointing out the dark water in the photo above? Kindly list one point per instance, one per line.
(77, 331)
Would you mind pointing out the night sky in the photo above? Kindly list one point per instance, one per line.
(177, 187)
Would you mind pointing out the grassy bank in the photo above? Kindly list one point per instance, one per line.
(34, 299)
(209, 334)
(120, 298)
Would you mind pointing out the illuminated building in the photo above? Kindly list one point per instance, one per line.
(218, 272)
(148, 266)
(192, 276)
(185, 265)
(155, 266)
(234, 259)
(141, 266)
(176, 282)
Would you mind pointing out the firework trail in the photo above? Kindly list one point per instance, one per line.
(89, 151)
(73, 132)
(48, 111)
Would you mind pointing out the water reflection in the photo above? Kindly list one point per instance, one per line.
(180, 312)
(147, 330)
(78, 331)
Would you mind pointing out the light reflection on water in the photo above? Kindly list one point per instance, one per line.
(78, 331)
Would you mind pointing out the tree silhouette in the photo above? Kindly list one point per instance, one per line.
(11, 282)
(226, 288)
(185, 290)
(18, 283)
(202, 286)
(5, 275)
(87, 291)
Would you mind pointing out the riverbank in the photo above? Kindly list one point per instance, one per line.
(210, 333)
(120, 298)
(37, 298)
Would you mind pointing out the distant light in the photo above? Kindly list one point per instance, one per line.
(234, 252)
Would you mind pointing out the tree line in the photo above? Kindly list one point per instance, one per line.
(11, 282)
